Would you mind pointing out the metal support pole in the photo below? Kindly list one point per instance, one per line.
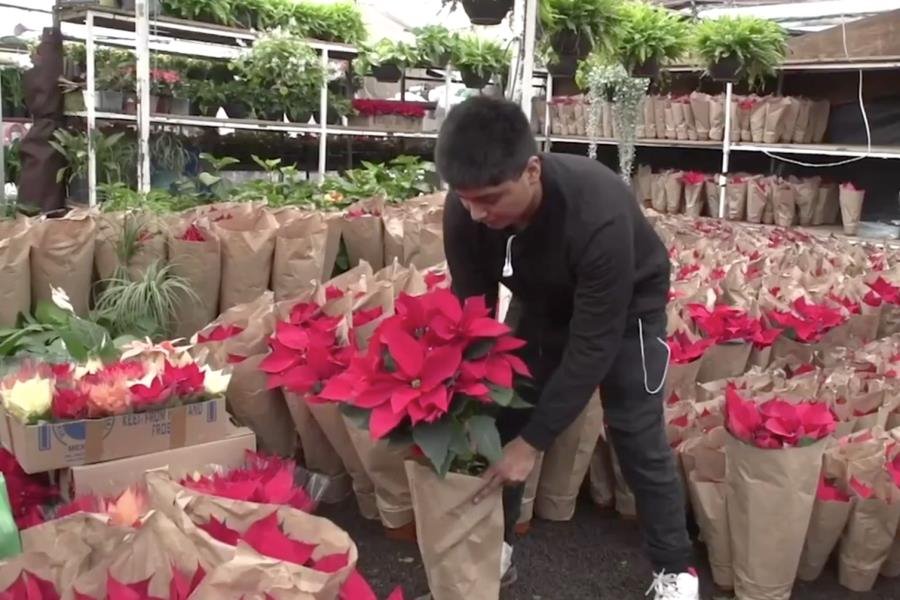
(323, 120)
(530, 37)
(142, 50)
(726, 150)
(517, 26)
(2, 152)
(547, 143)
(90, 105)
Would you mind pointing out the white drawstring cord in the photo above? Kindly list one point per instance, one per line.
(644, 360)
(507, 264)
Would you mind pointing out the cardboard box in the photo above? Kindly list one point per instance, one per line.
(49, 446)
(113, 477)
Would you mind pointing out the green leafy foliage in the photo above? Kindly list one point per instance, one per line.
(648, 31)
(480, 56)
(402, 178)
(759, 44)
(53, 335)
(435, 44)
(387, 52)
(595, 22)
(115, 156)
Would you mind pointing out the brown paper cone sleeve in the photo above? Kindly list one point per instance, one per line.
(200, 264)
(679, 120)
(248, 247)
(821, 111)
(364, 239)
(384, 465)
(15, 270)
(111, 228)
(700, 109)
(867, 542)
(775, 112)
(806, 193)
(825, 528)
(708, 501)
(566, 463)
(758, 120)
(460, 542)
(889, 322)
(851, 209)
(785, 205)
(602, 477)
(711, 187)
(649, 117)
(659, 115)
(318, 453)
(724, 360)
(757, 196)
(736, 198)
(717, 118)
(669, 116)
(693, 199)
(302, 249)
(681, 379)
(331, 422)
(761, 484)
(63, 256)
(392, 221)
(658, 192)
(643, 183)
(794, 352)
(891, 566)
(802, 125)
(526, 513)
(674, 189)
(261, 409)
(789, 120)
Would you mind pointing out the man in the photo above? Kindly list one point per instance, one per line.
(591, 281)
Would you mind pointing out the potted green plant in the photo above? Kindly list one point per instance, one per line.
(483, 12)
(573, 28)
(236, 99)
(269, 105)
(74, 61)
(169, 159)
(340, 22)
(163, 83)
(207, 97)
(478, 60)
(435, 45)
(743, 47)
(74, 148)
(650, 35)
(386, 60)
(210, 11)
(112, 83)
(13, 93)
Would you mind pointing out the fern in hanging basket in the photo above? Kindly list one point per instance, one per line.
(740, 48)
(575, 27)
(649, 36)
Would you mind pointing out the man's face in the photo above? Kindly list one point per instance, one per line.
(507, 204)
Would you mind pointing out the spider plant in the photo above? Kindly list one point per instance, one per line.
(143, 307)
(742, 47)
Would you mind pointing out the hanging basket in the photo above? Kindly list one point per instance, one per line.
(236, 109)
(487, 12)
(473, 80)
(649, 68)
(387, 73)
(726, 69)
(568, 43)
(565, 66)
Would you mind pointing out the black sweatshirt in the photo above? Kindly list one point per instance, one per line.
(588, 262)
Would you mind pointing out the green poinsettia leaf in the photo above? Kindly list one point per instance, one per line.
(485, 437)
(358, 416)
(501, 396)
(434, 440)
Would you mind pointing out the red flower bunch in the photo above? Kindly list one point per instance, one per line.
(727, 323)
(305, 352)
(777, 423)
(263, 479)
(683, 350)
(27, 493)
(355, 213)
(220, 333)
(374, 107)
(434, 354)
(829, 491)
(180, 587)
(435, 279)
(192, 234)
(29, 586)
(693, 178)
(885, 290)
(808, 322)
(173, 382)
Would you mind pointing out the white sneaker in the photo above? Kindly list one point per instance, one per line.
(672, 586)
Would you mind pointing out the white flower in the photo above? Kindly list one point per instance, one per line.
(61, 299)
(215, 382)
(28, 400)
(90, 367)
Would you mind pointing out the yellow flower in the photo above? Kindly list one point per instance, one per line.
(28, 400)
(215, 382)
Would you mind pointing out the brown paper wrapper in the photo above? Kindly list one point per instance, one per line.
(364, 235)
(785, 204)
(757, 198)
(649, 117)
(526, 512)
(735, 120)
(659, 115)
(248, 246)
(423, 239)
(643, 183)
(711, 187)
(717, 118)
(870, 536)
(825, 529)
(257, 319)
(723, 361)
(261, 409)
(682, 379)
(674, 189)
(62, 255)
(602, 476)
(318, 453)
(743, 119)
(891, 566)
(700, 108)
(851, 208)
(789, 120)
(819, 115)
(658, 192)
(384, 464)
(110, 231)
(331, 423)
(305, 250)
(802, 126)
(828, 206)
(566, 463)
(758, 120)
(669, 115)
(736, 197)
(15, 271)
(760, 485)
(460, 542)
(710, 510)
(775, 109)
(200, 264)
(690, 122)
(693, 199)
(806, 193)
(678, 118)
(889, 322)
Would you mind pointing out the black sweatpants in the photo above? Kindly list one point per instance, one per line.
(637, 430)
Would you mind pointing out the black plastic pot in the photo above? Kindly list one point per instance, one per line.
(331, 117)
(440, 61)
(565, 66)
(110, 101)
(473, 80)
(487, 12)
(569, 43)
(726, 69)
(270, 114)
(648, 68)
(220, 73)
(201, 111)
(235, 109)
(78, 190)
(387, 73)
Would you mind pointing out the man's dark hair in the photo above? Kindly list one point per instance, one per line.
(484, 141)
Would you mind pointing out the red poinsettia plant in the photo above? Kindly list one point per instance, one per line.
(434, 374)
(725, 324)
(684, 351)
(807, 322)
(373, 107)
(777, 423)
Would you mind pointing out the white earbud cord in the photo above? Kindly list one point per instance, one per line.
(644, 361)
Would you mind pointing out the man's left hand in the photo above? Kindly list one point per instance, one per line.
(512, 469)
